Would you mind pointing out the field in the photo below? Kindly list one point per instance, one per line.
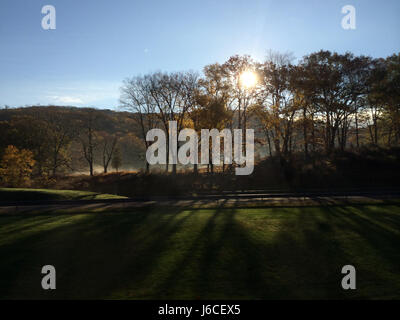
(156, 253)
(24, 194)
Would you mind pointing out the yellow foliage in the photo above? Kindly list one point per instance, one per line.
(16, 166)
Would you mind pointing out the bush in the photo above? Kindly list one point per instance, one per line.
(16, 167)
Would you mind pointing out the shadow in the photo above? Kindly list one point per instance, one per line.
(221, 253)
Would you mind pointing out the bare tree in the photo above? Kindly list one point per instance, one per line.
(88, 138)
(61, 135)
(173, 96)
(108, 143)
(137, 97)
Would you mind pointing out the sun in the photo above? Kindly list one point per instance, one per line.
(248, 79)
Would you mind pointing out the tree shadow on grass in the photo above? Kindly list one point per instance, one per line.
(302, 260)
(232, 263)
(373, 249)
(175, 253)
(92, 256)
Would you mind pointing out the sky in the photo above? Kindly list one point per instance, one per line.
(99, 43)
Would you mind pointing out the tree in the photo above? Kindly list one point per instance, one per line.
(173, 94)
(393, 95)
(117, 159)
(108, 144)
(136, 96)
(159, 98)
(31, 133)
(16, 166)
(88, 138)
(212, 113)
(384, 99)
(61, 134)
(332, 83)
(241, 98)
(277, 100)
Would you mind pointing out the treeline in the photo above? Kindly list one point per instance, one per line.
(62, 140)
(324, 102)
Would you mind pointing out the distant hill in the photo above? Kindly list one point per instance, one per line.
(114, 123)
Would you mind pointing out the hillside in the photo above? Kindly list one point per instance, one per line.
(21, 127)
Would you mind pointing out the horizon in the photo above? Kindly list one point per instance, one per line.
(96, 45)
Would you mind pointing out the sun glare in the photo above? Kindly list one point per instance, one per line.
(248, 79)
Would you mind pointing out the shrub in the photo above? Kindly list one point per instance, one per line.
(16, 167)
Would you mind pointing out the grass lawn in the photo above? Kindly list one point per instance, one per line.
(260, 253)
(24, 194)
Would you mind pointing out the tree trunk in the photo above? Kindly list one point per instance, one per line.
(357, 133)
(269, 143)
(305, 133)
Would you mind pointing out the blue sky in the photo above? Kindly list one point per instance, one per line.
(98, 43)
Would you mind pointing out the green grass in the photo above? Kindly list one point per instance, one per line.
(23, 194)
(262, 253)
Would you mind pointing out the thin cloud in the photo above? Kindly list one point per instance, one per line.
(66, 99)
